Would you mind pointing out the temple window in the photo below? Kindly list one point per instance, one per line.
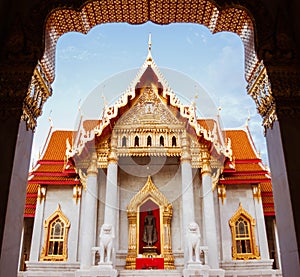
(124, 141)
(242, 236)
(56, 237)
(149, 141)
(161, 141)
(243, 239)
(174, 142)
(136, 141)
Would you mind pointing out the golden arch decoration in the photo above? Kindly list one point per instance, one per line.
(61, 239)
(243, 245)
(149, 192)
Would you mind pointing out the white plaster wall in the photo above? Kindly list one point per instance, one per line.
(234, 196)
(63, 195)
(166, 175)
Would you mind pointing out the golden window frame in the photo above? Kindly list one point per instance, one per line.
(45, 256)
(254, 253)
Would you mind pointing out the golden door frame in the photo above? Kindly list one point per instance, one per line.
(150, 192)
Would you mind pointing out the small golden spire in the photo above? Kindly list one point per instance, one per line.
(149, 56)
(50, 119)
(149, 42)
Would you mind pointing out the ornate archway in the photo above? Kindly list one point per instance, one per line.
(82, 16)
(149, 192)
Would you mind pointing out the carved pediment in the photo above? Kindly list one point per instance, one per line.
(148, 110)
(149, 190)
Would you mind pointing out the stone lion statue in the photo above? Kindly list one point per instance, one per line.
(193, 242)
(106, 242)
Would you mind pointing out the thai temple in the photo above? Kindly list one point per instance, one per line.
(149, 189)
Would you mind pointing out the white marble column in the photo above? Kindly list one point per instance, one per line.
(209, 213)
(260, 223)
(89, 215)
(36, 239)
(111, 195)
(188, 210)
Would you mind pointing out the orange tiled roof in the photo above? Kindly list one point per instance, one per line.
(267, 199)
(51, 169)
(56, 147)
(242, 146)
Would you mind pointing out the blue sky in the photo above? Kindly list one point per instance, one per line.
(88, 68)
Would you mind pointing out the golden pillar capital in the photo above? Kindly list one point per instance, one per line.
(256, 191)
(92, 169)
(206, 167)
(113, 157)
(41, 195)
(185, 144)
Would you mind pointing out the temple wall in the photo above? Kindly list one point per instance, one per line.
(234, 196)
(63, 195)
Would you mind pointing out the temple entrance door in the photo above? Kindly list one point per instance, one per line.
(149, 218)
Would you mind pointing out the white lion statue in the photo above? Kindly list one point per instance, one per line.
(193, 242)
(106, 242)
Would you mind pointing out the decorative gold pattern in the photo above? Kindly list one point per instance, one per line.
(83, 178)
(216, 176)
(51, 237)
(202, 12)
(150, 191)
(41, 193)
(222, 192)
(77, 192)
(38, 92)
(206, 168)
(256, 192)
(259, 88)
(186, 153)
(248, 235)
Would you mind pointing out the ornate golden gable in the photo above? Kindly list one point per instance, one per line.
(148, 110)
